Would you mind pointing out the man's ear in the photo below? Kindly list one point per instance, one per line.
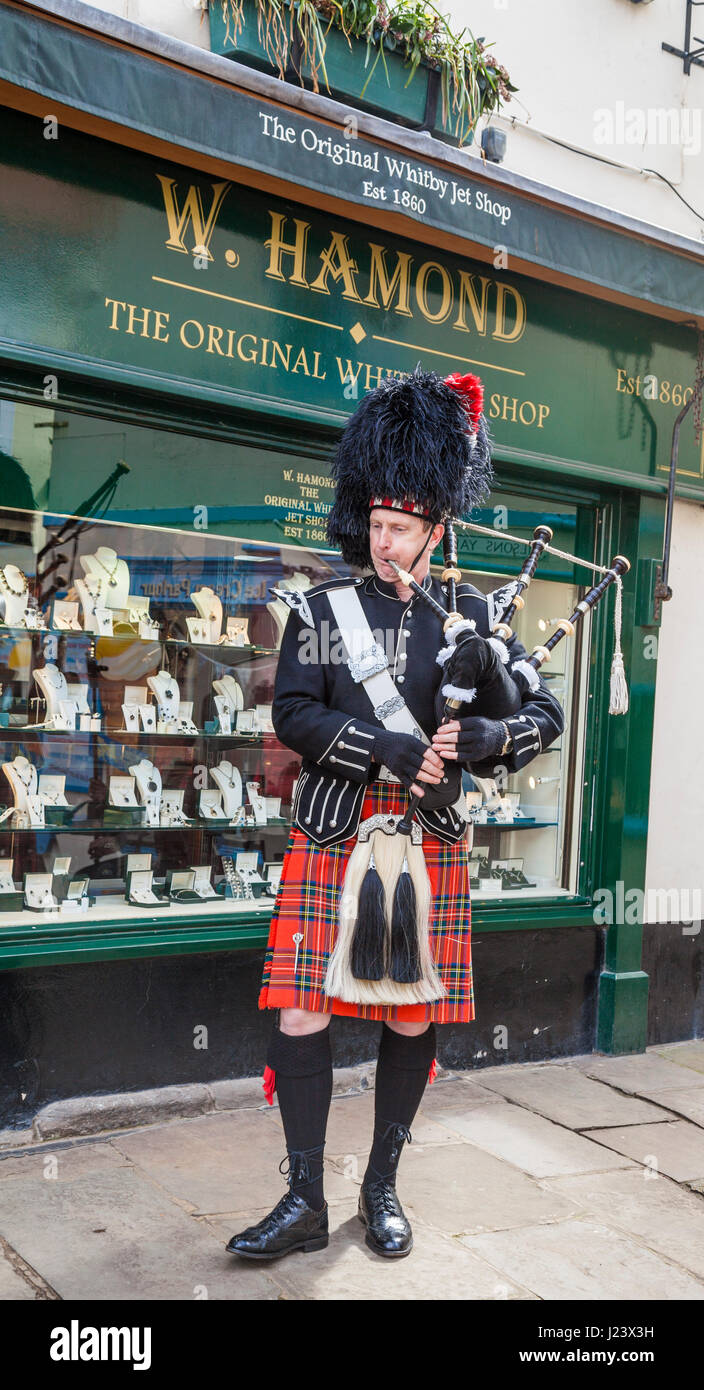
(438, 533)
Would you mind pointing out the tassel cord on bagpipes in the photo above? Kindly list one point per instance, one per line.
(565, 627)
(618, 701)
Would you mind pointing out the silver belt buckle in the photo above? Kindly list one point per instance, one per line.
(388, 824)
(385, 775)
(368, 663)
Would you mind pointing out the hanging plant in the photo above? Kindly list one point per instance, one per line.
(293, 33)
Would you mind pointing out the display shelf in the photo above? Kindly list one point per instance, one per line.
(19, 734)
(525, 823)
(240, 654)
(88, 828)
(99, 827)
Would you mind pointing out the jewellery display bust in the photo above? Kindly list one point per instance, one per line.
(231, 691)
(90, 591)
(114, 573)
(278, 607)
(148, 782)
(52, 683)
(210, 609)
(14, 592)
(167, 694)
(229, 780)
(22, 776)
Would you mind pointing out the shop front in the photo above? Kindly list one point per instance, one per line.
(179, 351)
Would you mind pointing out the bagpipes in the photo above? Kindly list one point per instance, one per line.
(382, 954)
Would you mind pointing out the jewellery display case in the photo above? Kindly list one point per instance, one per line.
(138, 653)
(139, 765)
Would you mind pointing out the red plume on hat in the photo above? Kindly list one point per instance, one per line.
(471, 391)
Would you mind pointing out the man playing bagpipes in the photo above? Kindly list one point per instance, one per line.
(372, 916)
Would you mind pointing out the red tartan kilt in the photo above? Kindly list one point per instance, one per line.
(307, 902)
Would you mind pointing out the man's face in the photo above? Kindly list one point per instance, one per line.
(398, 536)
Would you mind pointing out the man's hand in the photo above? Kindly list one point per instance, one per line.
(411, 760)
(469, 740)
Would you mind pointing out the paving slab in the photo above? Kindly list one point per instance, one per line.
(227, 1161)
(675, 1148)
(67, 1161)
(456, 1094)
(15, 1138)
(567, 1096)
(667, 1218)
(438, 1268)
(688, 1102)
(684, 1054)
(641, 1074)
(113, 1235)
(461, 1189)
(583, 1258)
(351, 1126)
(13, 1287)
(530, 1142)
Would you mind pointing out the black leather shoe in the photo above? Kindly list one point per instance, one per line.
(388, 1230)
(292, 1225)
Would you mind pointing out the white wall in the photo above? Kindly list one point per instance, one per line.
(676, 821)
(181, 19)
(573, 58)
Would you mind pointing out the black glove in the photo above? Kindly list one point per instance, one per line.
(479, 739)
(474, 665)
(403, 754)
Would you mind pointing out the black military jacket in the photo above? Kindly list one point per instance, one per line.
(322, 713)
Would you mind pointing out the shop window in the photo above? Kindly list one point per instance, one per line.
(138, 648)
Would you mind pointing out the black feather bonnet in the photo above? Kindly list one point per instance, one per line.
(421, 437)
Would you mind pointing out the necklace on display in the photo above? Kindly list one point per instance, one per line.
(28, 769)
(231, 775)
(94, 594)
(112, 581)
(149, 773)
(53, 677)
(7, 585)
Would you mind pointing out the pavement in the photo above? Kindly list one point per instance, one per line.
(581, 1178)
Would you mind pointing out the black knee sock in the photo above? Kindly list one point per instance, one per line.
(401, 1077)
(303, 1067)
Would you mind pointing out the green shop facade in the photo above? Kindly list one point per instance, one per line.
(184, 327)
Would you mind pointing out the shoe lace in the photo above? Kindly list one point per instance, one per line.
(382, 1197)
(282, 1208)
(399, 1133)
(300, 1166)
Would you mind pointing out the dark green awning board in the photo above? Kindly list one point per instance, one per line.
(229, 119)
